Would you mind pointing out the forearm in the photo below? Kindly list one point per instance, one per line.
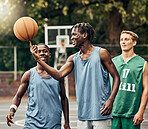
(144, 99)
(144, 96)
(16, 101)
(115, 87)
(65, 107)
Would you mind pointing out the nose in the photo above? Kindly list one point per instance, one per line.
(122, 41)
(71, 37)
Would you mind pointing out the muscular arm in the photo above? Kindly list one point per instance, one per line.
(17, 98)
(107, 63)
(65, 104)
(138, 118)
(65, 69)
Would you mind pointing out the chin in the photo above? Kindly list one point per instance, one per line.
(124, 49)
(74, 46)
(44, 61)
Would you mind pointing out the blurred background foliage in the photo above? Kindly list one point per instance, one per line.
(108, 18)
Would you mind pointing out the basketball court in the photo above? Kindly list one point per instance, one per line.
(19, 118)
(56, 37)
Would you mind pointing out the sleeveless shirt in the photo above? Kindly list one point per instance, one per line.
(44, 107)
(92, 86)
(128, 98)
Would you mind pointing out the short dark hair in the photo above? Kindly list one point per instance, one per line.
(44, 45)
(85, 28)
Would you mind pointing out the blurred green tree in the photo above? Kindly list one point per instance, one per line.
(108, 17)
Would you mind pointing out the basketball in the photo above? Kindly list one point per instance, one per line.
(25, 28)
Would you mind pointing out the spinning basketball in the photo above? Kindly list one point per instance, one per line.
(25, 28)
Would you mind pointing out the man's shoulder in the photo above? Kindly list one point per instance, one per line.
(140, 58)
(97, 47)
(72, 56)
(75, 55)
(27, 72)
(26, 76)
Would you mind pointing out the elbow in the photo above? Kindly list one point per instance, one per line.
(117, 79)
(59, 76)
(64, 97)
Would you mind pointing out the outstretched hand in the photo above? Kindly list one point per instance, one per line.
(107, 107)
(34, 51)
(9, 118)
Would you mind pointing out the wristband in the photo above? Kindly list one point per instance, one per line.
(13, 106)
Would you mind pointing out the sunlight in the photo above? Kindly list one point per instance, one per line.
(3, 8)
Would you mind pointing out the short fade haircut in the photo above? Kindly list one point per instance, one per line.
(44, 45)
(134, 35)
(85, 28)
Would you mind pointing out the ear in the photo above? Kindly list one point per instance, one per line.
(85, 35)
(49, 55)
(135, 42)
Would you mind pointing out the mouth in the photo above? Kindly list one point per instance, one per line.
(74, 43)
(42, 58)
(123, 45)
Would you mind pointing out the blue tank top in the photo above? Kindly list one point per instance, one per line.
(92, 86)
(44, 107)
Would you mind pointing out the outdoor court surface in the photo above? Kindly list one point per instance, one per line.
(20, 115)
(19, 118)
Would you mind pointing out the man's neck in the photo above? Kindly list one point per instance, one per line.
(86, 51)
(86, 48)
(128, 55)
(39, 67)
(41, 71)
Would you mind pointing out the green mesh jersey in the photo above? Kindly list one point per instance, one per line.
(128, 98)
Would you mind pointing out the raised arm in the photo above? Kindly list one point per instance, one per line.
(138, 118)
(65, 104)
(17, 98)
(65, 69)
(107, 63)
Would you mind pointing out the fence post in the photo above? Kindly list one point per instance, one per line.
(15, 63)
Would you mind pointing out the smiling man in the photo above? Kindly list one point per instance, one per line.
(132, 96)
(44, 107)
(92, 66)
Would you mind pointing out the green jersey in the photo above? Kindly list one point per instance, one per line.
(128, 98)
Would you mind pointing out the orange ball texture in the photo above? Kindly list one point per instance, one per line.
(25, 28)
